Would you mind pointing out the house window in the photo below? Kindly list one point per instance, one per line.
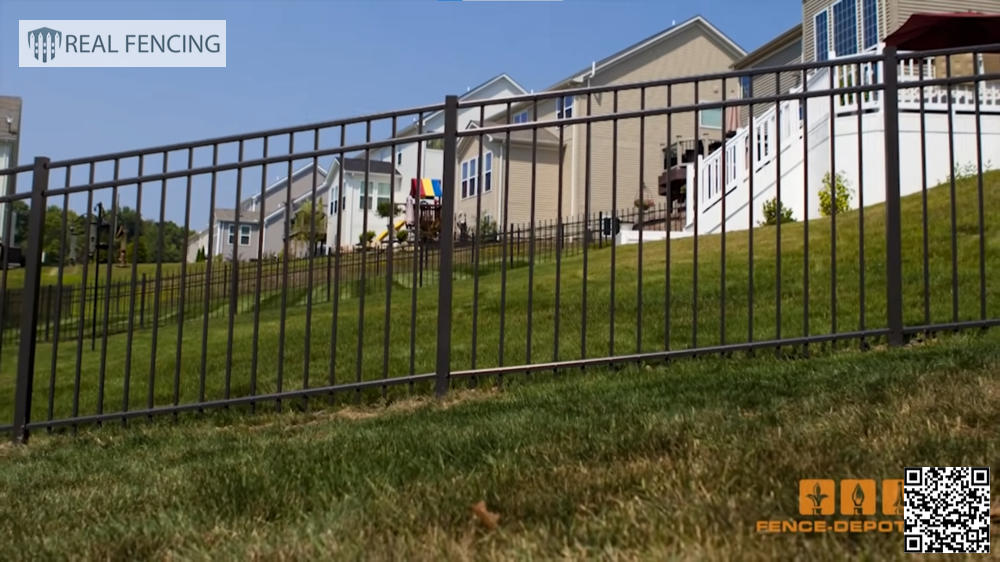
(399, 158)
(869, 9)
(364, 201)
(710, 118)
(564, 109)
(244, 235)
(488, 172)
(470, 176)
(384, 193)
(465, 180)
(845, 28)
(521, 117)
(232, 233)
(746, 86)
(822, 37)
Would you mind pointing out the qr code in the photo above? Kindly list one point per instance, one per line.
(946, 509)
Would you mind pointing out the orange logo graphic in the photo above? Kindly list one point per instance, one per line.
(892, 497)
(816, 497)
(857, 497)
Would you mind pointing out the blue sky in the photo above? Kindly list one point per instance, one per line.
(303, 61)
(312, 60)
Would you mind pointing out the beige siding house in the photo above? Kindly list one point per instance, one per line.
(822, 16)
(242, 233)
(690, 48)
(782, 50)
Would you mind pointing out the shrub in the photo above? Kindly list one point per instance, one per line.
(643, 204)
(387, 210)
(834, 200)
(402, 235)
(487, 228)
(775, 212)
(366, 237)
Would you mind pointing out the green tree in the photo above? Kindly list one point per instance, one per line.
(52, 234)
(309, 225)
(834, 199)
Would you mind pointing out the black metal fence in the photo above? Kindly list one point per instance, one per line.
(730, 273)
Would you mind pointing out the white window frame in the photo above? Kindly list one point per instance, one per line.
(864, 27)
(487, 169)
(231, 229)
(564, 110)
(465, 179)
(470, 175)
(701, 113)
(244, 232)
(825, 12)
(378, 194)
(521, 117)
(855, 26)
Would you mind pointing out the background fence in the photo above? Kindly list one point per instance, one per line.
(543, 294)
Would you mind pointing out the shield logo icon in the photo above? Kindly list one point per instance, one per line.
(43, 43)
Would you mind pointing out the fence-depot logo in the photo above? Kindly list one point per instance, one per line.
(121, 43)
(860, 507)
(43, 43)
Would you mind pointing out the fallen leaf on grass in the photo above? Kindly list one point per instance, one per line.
(485, 516)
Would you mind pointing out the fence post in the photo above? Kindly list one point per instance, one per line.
(29, 304)
(142, 303)
(447, 246)
(893, 243)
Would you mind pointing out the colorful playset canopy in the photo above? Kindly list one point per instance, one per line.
(426, 187)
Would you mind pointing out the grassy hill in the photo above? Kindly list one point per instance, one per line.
(664, 462)
(841, 308)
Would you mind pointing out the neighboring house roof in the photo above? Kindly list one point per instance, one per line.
(229, 215)
(374, 166)
(252, 217)
(278, 184)
(357, 165)
(773, 46)
(544, 138)
(472, 94)
(577, 78)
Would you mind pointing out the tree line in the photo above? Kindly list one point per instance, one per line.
(139, 236)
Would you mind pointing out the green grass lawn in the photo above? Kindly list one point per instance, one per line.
(668, 461)
(306, 361)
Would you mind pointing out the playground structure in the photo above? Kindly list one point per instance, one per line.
(423, 209)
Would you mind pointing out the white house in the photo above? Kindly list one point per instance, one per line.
(772, 150)
(353, 212)
(431, 156)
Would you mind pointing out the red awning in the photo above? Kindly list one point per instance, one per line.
(943, 31)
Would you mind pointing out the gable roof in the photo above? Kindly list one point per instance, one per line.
(780, 42)
(280, 183)
(472, 94)
(628, 52)
(374, 166)
(544, 139)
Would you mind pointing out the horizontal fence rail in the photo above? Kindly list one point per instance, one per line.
(840, 202)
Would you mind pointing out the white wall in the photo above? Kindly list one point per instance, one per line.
(352, 217)
(871, 180)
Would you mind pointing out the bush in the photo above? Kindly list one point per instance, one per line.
(775, 212)
(387, 210)
(366, 237)
(402, 235)
(838, 202)
(487, 228)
